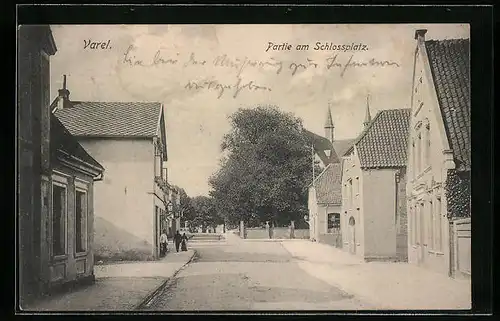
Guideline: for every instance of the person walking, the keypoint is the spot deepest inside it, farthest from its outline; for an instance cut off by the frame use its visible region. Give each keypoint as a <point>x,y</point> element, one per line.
<point>177,240</point>
<point>184,242</point>
<point>163,243</point>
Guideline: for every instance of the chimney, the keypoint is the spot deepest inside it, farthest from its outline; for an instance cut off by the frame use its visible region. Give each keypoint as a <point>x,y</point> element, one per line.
<point>63,96</point>
<point>420,34</point>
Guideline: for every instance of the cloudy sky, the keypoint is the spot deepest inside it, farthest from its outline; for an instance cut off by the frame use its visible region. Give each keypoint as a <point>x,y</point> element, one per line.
<point>171,63</point>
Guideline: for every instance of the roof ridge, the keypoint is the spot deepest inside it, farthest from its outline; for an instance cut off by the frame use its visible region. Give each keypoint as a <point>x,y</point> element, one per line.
<point>116,102</point>
<point>450,39</point>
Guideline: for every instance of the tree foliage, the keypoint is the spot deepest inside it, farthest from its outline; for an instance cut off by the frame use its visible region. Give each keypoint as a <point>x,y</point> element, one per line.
<point>205,213</point>
<point>266,170</point>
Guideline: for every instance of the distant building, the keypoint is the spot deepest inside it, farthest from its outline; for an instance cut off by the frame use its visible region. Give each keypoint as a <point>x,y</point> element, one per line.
<point>373,217</point>
<point>325,199</point>
<point>129,139</point>
<point>55,181</point>
<point>324,203</point>
<point>439,157</point>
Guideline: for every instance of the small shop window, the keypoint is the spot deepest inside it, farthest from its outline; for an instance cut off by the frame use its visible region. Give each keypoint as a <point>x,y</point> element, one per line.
<point>81,214</point>
<point>333,221</point>
<point>59,217</point>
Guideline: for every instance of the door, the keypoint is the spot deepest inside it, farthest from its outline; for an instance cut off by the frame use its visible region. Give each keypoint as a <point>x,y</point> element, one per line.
<point>420,227</point>
<point>352,235</point>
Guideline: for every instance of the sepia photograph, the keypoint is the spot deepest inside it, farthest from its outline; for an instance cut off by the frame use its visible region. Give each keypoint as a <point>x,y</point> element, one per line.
<point>243,167</point>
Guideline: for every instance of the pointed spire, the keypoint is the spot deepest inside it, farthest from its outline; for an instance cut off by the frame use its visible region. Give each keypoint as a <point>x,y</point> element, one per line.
<point>329,120</point>
<point>368,117</point>
<point>329,127</point>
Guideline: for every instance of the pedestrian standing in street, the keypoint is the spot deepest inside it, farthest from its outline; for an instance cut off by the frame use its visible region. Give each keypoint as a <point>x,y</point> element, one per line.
<point>163,243</point>
<point>184,242</point>
<point>177,240</point>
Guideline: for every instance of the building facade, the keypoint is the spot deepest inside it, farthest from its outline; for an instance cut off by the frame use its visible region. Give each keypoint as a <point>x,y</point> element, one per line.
<point>373,212</point>
<point>324,198</point>
<point>325,201</point>
<point>129,139</point>
<point>55,181</point>
<point>438,186</point>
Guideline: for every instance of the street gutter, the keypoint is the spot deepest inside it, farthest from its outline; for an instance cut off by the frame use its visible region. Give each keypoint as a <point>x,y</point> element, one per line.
<point>153,294</point>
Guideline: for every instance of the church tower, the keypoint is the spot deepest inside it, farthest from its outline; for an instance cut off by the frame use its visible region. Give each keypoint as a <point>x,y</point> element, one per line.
<point>329,128</point>
<point>368,117</point>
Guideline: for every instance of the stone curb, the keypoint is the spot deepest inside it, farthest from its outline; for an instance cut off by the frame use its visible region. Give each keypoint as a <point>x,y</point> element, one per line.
<point>162,286</point>
<point>274,240</point>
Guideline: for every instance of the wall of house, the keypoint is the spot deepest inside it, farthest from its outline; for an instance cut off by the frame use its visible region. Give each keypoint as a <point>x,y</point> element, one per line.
<point>324,236</point>
<point>379,209</point>
<point>352,206</point>
<point>72,265</point>
<point>29,155</point>
<point>125,196</point>
<point>313,210</point>
<point>428,228</point>
<point>401,218</point>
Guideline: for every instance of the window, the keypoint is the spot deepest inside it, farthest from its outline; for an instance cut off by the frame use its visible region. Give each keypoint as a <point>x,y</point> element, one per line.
<point>357,186</point>
<point>417,224</point>
<point>81,221</point>
<point>350,193</point>
<point>412,225</point>
<point>333,221</point>
<point>431,224</point>
<point>59,213</point>
<point>419,151</point>
<point>157,160</point>
<point>413,162</point>
<point>427,145</point>
<point>438,226</point>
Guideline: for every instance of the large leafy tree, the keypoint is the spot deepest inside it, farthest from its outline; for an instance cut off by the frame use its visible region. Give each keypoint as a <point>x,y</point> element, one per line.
<point>205,213</point>
<point>266,169</point>
<point>186,206</point>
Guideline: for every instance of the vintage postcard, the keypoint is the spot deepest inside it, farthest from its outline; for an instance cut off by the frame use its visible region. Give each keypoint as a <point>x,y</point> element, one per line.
<point>318,167</point>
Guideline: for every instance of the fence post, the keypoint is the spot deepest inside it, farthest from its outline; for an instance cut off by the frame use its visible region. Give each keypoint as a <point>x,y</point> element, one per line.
<point>292,229</point>
<point>242,229</point>
<point>268,230</point>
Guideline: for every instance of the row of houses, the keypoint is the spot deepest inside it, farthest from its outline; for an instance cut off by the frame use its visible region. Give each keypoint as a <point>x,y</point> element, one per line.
<point>82,165</point>
<point>401,190</point>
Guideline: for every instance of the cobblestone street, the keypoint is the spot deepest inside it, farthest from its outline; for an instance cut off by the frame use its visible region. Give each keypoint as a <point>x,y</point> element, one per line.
<point>248,276</point>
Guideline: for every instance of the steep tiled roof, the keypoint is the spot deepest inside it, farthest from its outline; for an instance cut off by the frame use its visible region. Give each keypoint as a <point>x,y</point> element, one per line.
<point>110,119</point>
<point>62,140</point>
<point>341,146</point>
<point>329,186</point>
<point>384,142</point>
<point>321,144</point>
<point>449,63</point>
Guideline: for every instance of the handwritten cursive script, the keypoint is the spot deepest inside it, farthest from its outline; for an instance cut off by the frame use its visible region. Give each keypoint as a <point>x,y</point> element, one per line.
<point>371,63</point>
<point>239,64</point>
<point>221,88</point>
